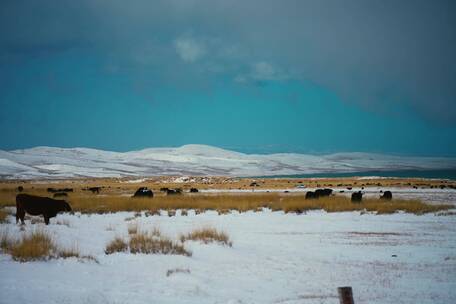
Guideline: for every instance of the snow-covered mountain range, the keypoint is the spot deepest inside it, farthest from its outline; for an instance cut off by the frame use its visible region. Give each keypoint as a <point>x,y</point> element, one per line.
<point>49,162</point>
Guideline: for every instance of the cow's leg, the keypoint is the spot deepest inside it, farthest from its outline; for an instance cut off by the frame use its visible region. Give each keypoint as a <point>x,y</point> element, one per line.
<point>20,215</point>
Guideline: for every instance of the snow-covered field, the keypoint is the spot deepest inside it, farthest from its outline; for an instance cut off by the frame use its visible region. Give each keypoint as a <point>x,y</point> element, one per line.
<point>275,258</point>
<point>50,162</point>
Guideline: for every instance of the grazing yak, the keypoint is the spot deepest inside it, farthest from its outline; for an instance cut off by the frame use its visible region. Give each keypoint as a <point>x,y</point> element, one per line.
<point>311,195</point>
<point>20,189</point>
<point>193,190</point>
<point>60,194</point>
<point>37,205</point>
<point>164,189</point>
<point>173,191</point>
<point>387,195</point>
<point>95,189</point>
<point>357,197</point>
<point>53,190</point>
<point>318,193</point>
<point>143,192</point>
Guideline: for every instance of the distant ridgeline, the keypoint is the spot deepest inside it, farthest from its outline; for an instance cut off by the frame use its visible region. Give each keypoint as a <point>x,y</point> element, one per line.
<point>444,174</point>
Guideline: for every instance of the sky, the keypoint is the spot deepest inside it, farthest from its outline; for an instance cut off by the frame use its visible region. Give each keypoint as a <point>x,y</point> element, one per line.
<point>253,76</point>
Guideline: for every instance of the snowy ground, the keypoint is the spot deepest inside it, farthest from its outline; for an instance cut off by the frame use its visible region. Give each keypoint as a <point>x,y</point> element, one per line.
<point>275,258</point>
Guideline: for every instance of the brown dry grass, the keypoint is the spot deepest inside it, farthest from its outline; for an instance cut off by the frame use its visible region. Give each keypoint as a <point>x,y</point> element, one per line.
<point>118,244</point>
<point>38,245</point>
<point>342,204</point>
<point>115,197</point>
<point>244,202</point>
<point>207,235</point>
<point>149,244</point>
<point>152,242</point>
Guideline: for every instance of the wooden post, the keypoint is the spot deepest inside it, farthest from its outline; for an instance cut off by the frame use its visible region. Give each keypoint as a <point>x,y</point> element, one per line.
<point>345,295</point>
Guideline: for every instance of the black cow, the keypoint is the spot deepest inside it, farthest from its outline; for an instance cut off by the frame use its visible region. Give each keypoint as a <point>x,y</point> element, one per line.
<point>311,195</point>
<point>323,192</point>
<point>387,195</point>
<point>164,189</point>
<point>357,197</point>
<point>143,192</point>
<point>193,190</point>
<point>60,194</point>
<point>54,190</point>
<point>37,205</point>
<point>20,189</point>
<point>173,191</point>
<point>95,189</point>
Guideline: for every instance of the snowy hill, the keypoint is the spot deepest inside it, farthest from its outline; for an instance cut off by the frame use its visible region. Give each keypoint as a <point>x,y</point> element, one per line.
<point>49,162</point>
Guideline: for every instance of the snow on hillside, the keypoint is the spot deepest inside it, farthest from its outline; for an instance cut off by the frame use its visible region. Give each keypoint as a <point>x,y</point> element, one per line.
<point>49,162</point>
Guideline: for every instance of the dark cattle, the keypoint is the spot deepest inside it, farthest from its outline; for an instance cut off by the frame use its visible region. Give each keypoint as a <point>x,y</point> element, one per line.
<point>54,190</point>
<point>20,189</point>
<point>193,190</point>
<point>95,189</point>
<point>349,188</point>
<point>311,195</point>
<point>323,192</point>
<point>143,192</point>
<point>164,189</point>
<point>357,197</point>
<point>387,195</point>
<point>37,205</point>
<point>254,184</point>
<point>173,191</point>
<point>60,194</point>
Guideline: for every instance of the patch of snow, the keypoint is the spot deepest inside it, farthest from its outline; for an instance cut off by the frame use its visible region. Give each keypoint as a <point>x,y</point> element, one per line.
<point>275,258</point>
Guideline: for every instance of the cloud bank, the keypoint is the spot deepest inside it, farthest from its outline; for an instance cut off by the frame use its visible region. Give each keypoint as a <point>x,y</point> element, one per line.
<point>379,54</point>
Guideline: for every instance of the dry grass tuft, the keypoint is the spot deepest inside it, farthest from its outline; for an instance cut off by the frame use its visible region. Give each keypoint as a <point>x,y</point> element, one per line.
<point>149,244</point>
<point>36,246</point>
<point>118,244</point>
<point>207,235</point>
<point>152,242</point>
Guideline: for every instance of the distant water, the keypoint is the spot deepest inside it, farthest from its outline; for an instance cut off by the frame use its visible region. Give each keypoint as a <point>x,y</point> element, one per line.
<point>443,174</point>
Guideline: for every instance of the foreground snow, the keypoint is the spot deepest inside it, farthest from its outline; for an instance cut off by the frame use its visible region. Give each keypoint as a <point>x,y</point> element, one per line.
<point>48,162</point>
<point>275,258</point>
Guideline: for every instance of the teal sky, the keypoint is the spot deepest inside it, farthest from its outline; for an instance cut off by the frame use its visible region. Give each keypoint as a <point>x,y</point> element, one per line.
<point>196,82</point>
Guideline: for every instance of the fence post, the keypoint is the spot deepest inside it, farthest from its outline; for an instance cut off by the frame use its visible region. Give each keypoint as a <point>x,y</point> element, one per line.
<point>345,295</point>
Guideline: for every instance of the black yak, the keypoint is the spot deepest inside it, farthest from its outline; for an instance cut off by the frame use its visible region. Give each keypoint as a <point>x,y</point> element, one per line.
<point>387,195</point>
<point>193,190</point>
<point>37,205</point>
<point>323,192</point>
<point>143,192</point>
<point>357,197</point>
<point>311,195</point>
<point>173,191</point>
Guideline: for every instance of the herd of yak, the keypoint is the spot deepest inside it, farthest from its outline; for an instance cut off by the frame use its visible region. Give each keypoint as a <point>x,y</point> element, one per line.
<point>49,207</point>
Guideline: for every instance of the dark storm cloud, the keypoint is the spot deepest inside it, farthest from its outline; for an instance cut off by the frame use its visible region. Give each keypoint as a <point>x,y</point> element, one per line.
<point>380,54</point>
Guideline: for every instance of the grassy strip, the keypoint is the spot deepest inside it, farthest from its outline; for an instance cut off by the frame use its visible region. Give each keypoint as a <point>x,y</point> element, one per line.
<point>223,202</point>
